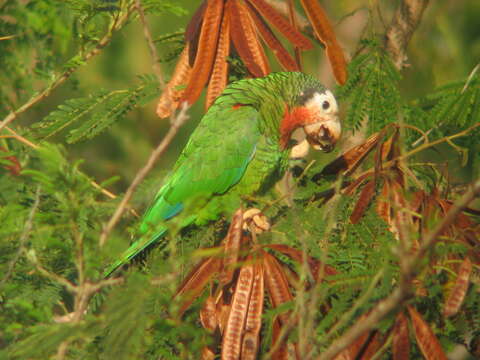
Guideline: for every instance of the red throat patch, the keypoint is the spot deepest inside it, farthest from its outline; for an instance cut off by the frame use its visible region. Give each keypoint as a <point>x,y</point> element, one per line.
<point>299,116</point>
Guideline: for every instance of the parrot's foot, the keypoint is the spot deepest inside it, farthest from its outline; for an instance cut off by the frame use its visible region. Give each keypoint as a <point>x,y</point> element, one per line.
<point>255,221</point>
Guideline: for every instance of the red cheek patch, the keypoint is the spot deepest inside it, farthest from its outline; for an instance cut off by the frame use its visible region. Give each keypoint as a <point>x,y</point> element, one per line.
<point>292,120</point>
<point>237,106</point>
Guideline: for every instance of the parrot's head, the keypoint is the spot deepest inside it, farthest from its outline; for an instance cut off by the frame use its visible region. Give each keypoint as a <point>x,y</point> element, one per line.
<point>314,110</point>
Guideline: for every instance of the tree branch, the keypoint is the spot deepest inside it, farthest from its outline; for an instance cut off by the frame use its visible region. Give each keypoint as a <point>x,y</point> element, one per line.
<point>151,45</point>
<point>404,23</point>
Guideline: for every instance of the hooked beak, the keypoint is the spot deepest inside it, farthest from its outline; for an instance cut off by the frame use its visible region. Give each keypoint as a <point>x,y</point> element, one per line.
<point>323,134</point>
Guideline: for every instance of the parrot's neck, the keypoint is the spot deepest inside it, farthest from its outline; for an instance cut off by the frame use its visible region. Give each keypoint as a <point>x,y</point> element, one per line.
<point>292,119</point>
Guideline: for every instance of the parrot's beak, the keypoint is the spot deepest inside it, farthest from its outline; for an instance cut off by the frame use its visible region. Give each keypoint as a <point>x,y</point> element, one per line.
<point>324,134</point>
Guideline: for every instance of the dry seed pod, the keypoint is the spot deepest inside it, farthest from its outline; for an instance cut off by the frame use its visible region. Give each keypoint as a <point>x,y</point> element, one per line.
<point>207,47</point>
<point>282,55</point>
<point>277,283</point>
<point>366,196</point>
<point>401,339</point>
<point>232,247</point>
<point>351,159</point>
<point>208,315</point>
<point>245,40</point>
<point>324,32</point>
<point>170,98</point>
<point>426,339</point>
<point>457,295</point>
<point>282,349</point>
<point>251,340</point>
<point>219,78</point>
<point>232,338</point>
<point>196,280</point>
<point>282,25</point>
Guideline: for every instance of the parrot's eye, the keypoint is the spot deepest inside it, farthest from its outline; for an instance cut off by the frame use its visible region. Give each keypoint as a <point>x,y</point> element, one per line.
<point>325,105</point>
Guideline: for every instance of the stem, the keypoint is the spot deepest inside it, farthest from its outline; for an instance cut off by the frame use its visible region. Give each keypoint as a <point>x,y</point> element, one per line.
<point>151,45</point>
<point>177,122</point>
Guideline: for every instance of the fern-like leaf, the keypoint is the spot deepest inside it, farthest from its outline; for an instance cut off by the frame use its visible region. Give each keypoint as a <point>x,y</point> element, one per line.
<point>372,89</point>
<point>96,112</point>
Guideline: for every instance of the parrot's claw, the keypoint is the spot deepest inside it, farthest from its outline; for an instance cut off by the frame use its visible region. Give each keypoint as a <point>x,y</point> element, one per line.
<point>255,221</point>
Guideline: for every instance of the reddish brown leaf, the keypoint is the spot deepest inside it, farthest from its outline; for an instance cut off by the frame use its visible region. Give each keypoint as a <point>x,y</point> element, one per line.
<point>324,32</point>
<point>192,32</point>
<point>457,295</point>
<point>194,283</point>
<point>171,95</point>
<point>15,168</point>
<point>350,160</point>
<point>418,199</point>
<point>462,220</point>
<point>219,77</point>
<point>223,312</point>
<point>364,347</point>
<point>337,62</point>
<point>401,339</point>
<point>251,340</point>
<point>208,315</point>
<point>298,256</point>
<point>282,24</point>
<point>386,148</point>
<point>370,346</point>
<point>363,202</point>
<point>207,47</point>
<point>426,339</point>
<point>232,247</point>
<point>282,55</point>
<point>292,17</point>
<point>232,338</point>
<point>282,351</point>
<point>208,354</point>
<point>383,203</point>
<point>344,355</point>
<point>357,182</point>
<point>277,283</point>
<point>246,41</point>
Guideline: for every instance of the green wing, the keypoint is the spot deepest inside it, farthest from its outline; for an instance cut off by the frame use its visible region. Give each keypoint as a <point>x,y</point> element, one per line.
<point>214,159</point>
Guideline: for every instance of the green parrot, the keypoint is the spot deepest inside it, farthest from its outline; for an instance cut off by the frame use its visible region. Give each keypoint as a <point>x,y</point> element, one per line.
<point>240,147</point>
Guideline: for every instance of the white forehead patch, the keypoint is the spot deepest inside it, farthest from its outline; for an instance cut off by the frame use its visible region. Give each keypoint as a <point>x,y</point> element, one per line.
<point>323,102</point>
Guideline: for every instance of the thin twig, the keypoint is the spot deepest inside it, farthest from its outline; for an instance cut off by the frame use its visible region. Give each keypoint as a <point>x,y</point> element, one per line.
<point>441,123</point>
<point>151,44</point>
<point>60,79</point>
<point>20,138</point>
<point>423,147</point>
<point>177,122</point>
<point>347,316</point>
<point>32,145</point>
<point>48,274</point>
<point>23,238</point>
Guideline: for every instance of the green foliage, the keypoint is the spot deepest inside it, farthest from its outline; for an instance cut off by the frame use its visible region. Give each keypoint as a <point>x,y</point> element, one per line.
<point>371,89</point>
<point>96,112</point>
<point>52,216</point>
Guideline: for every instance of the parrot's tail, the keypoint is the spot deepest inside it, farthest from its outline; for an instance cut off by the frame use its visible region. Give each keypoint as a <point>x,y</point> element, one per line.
<point>136,248</point>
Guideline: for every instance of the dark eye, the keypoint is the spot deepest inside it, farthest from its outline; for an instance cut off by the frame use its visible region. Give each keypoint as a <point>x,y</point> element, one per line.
<point>325,105</point>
